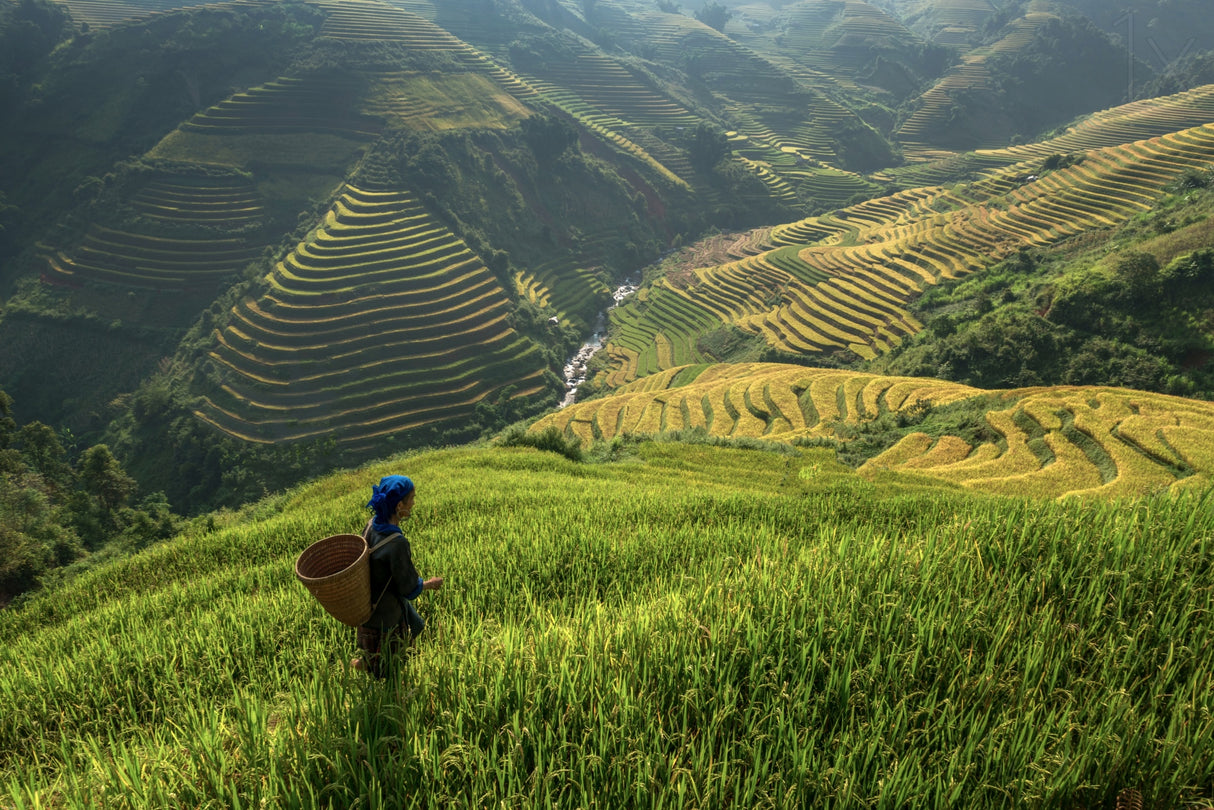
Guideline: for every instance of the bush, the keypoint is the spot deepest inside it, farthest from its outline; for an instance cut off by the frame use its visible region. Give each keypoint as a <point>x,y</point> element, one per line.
<point>550,440</point>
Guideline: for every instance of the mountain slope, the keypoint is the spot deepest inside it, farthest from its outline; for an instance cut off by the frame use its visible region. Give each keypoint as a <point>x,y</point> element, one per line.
<point>840,282</point>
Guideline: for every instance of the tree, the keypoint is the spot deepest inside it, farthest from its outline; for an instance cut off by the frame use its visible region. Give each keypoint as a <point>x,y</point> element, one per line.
<point>28,31</point>
<point>32,539</point>
<point>1138,274</point>
<point>8,426</point>
<point>548,136</point>
<point>44,452</point>
<point>708,146</point>
<point>22,558</point>
<point>103,478</point>
<point>714,15</point>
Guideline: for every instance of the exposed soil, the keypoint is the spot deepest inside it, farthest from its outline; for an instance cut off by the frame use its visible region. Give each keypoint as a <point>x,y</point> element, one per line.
<point>711,251</point>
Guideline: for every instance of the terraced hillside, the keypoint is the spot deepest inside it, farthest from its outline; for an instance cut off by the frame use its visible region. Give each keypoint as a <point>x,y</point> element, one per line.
<point>613,103</point>
<point>926,131</point>
<point>1046,442</point>
<point>207,204</point>
<point>100,14</point>
<point>746,400</point>
<point>230,202</point>
<point>317,103</point>
<point>455,88</point>
<point>380,322</point>
<point>439,102</point>
<point>1105,442</point>
<point>370,20</point>
<point>949,22</point>
<point>781,108</point>
<point>607,85</point>
<point>841,282</point>
<point>1139,120</point>
<point>215,224</point>
<point>160,263</point>
<point>839,37</point>
<point>796,165</point>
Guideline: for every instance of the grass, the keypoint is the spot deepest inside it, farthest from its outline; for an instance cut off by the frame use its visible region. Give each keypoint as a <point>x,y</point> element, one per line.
<point>685,626</point>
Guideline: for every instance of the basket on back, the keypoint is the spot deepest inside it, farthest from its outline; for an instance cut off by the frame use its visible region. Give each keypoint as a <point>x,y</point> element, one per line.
<point>337,572</point>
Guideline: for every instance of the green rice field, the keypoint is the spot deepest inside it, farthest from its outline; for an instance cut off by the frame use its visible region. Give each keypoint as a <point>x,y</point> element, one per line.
<point>667,625</point>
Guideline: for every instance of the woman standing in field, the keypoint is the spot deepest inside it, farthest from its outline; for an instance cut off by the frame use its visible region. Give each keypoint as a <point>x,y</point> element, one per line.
<point>395,582</point>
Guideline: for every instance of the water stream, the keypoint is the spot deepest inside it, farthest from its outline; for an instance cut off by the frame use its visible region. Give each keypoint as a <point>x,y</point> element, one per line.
<point>575,369</point>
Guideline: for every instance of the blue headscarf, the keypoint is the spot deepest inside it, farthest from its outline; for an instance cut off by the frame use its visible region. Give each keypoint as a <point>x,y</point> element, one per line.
<point>390,491</point>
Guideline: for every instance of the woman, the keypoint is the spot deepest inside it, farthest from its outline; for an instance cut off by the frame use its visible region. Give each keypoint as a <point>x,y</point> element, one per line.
<point>395,583</point>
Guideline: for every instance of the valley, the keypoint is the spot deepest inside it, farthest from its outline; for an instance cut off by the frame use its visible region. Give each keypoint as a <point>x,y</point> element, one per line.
<point>810,404</point>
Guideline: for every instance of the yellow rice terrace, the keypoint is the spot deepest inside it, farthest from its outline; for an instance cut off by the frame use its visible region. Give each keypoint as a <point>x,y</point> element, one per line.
<point>659,624</point>
<point>1045,442</point>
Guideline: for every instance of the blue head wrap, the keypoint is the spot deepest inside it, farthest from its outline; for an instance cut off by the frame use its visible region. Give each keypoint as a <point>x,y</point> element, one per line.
<point>390,491</point>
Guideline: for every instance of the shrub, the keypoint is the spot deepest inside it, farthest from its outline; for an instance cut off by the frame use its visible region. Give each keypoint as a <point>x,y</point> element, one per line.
<point>550,440</point>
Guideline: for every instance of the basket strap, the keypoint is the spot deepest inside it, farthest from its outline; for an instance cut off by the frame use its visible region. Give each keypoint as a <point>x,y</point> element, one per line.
<point>382,540</point>
<point>375,604</point>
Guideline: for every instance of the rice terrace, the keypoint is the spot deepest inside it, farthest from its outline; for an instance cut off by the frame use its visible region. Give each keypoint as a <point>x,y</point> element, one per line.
<point>787,404</point>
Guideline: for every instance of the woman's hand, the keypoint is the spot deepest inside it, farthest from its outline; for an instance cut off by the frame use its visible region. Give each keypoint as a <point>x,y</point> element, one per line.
<point>432,584</point>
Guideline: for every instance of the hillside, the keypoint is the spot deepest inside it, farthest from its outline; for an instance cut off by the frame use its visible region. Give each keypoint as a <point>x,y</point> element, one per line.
<point>699,625</point>
<point>325,231</point>
<point>1131,310</point>
<point>838,286</point>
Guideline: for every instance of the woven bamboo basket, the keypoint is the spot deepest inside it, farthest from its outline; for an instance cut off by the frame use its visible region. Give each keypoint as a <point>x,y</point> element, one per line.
<point>337,573</point>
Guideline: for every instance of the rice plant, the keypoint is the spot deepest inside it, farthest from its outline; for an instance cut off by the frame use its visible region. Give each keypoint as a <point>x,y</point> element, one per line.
<point>684,626</point>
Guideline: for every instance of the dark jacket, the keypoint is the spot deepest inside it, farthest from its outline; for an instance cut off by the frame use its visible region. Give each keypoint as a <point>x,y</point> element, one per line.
<point>392,574</point>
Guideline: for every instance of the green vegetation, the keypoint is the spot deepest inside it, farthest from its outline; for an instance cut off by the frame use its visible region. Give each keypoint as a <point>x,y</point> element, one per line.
<point>841,282</point>
<point>60,506</point>
<point>686,626</point>
<point>1029,92</point>
<point>1192,71</point>
<point>272,375</point>
<point>72,123</point>
<point>1010,91</point>
<point>1137,317</point>
<point>29,29</point>
<point>243,244</point>
<point>714,15</point>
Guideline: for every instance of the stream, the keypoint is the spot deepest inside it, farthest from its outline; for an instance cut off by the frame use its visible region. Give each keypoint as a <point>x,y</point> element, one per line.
<point>575,369</point>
